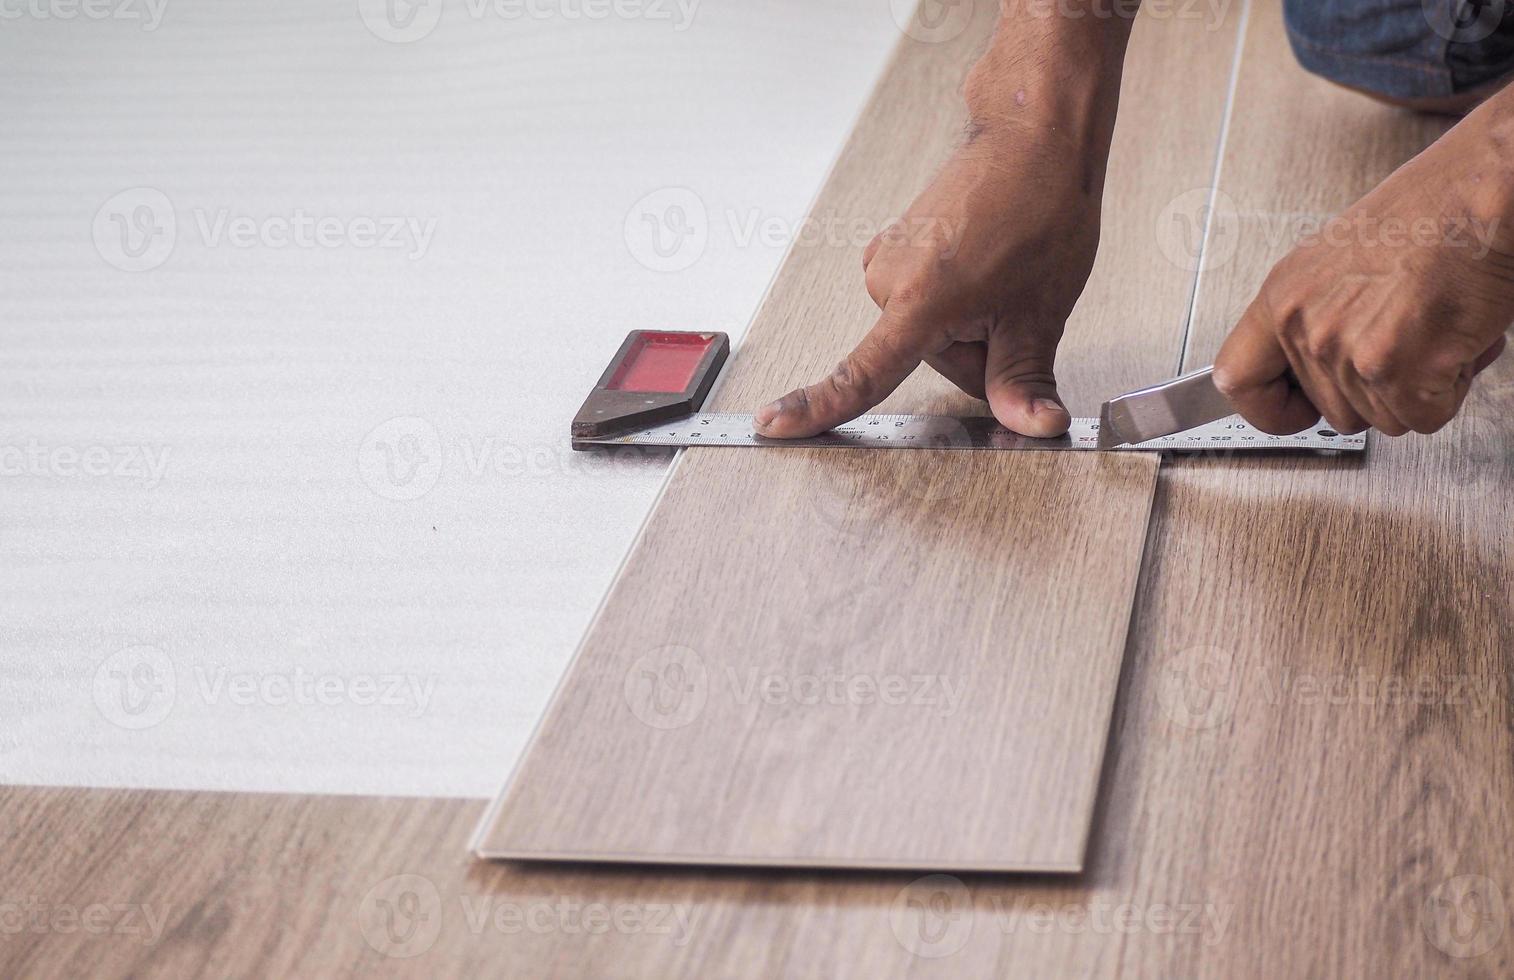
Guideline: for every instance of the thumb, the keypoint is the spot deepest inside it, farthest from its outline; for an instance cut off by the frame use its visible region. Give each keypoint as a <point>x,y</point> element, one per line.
<point>1021,388</point>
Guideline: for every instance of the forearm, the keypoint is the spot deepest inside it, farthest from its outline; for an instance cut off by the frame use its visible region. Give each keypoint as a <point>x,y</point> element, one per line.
<point>1052,74</point>
<point>1482,147</point>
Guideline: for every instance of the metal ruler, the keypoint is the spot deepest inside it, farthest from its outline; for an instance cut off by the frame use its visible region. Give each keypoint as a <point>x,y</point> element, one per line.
<point>943,432</point>
<point>651,392</point>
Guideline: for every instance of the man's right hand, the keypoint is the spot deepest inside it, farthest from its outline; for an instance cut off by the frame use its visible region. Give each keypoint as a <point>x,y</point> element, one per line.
<point>979,276</point>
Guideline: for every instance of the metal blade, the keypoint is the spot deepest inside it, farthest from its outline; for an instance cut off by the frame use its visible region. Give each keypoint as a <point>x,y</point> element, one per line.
<point>1161,410</point>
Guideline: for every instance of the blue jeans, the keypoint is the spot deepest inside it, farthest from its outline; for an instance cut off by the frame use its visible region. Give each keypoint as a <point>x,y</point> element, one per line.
<point>1404,49</point>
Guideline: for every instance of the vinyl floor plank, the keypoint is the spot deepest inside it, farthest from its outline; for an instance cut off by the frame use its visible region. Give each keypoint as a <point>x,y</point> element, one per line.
<point>822,658</point>
<point>1332,642</point>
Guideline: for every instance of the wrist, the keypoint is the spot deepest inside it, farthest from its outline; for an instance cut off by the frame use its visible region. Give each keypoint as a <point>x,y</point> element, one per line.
<point>1050,74</point>
<point>1483,143</point>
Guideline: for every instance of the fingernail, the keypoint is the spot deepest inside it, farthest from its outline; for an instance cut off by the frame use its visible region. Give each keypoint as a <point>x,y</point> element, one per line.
<point>767,413</point>
<point>1043,405</point>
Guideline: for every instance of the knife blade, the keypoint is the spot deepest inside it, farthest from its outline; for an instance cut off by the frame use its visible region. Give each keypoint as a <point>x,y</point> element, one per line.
<point>1162,409</point>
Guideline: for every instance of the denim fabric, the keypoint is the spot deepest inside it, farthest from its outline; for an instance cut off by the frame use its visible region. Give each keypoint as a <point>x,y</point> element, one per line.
<point>1404,48</point>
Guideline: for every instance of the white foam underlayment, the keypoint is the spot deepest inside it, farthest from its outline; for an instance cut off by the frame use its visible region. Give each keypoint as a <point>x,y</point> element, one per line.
<point>294,510</point>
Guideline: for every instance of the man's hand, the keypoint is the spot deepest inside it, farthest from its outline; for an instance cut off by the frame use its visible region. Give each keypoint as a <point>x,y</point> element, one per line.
<point>979,276</point>
<point>1384,318</point>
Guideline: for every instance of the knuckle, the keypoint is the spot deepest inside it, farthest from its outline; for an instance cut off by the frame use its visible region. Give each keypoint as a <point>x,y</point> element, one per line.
<point>1319,345</point>
<point>1279,301</point>
<point>875,278</point>
<point>917,285</point>
<point>1376,368</point>
<point>796,403</point>
<point>851,380</point>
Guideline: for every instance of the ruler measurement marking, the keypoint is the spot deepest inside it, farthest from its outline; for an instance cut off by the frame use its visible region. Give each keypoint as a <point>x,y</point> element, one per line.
<point>980,433</point>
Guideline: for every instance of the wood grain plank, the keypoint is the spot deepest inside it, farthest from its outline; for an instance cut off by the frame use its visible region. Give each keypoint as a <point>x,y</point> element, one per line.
<point>1334,643</point>
<point>883,660</point>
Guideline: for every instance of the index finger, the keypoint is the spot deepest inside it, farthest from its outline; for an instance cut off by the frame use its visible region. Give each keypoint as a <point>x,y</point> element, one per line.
<point>869,374</point>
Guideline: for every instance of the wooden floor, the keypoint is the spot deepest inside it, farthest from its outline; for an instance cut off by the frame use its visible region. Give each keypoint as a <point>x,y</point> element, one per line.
<point>1311,770</point>
<point>991,591</point>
